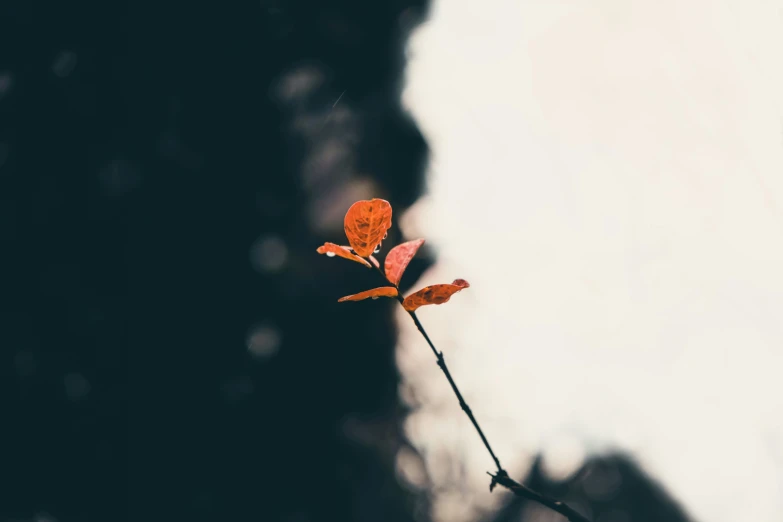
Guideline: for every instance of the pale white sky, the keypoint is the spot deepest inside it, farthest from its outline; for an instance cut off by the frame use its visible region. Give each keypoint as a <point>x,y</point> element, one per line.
<point>608,175</point>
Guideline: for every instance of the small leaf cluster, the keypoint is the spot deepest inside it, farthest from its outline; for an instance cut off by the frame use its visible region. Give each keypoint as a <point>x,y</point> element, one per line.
<point>366,226</point>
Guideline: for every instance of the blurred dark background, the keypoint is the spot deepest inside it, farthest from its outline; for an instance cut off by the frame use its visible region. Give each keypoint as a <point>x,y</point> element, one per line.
<point>171,344</point>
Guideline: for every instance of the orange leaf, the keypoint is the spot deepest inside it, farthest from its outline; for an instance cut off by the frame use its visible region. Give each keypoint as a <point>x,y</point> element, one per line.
<point>366,223</point>
<point>398,258</point>
<point>375,293</point>
<point>435,294</point>
<point>331,250</point>
<point>374,262</point>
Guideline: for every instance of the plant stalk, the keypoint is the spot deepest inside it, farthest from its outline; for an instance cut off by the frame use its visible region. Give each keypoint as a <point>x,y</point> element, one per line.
<point>501,477</point>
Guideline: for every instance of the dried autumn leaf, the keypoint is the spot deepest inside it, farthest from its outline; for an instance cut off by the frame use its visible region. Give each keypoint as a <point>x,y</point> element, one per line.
<point>398,258</point>
<point>331,250</point>
<point>375,293</point>
<point>366,223</point>
<point>435,294</point>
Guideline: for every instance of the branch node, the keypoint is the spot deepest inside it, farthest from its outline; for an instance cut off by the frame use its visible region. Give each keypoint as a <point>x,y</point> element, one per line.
<point>496,478</point>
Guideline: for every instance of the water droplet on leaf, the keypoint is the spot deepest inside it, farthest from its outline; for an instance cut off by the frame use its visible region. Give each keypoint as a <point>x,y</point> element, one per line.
<point>377,249</point>
<point>330,254</point>
<point>374,297</point>
<point>385,235</point>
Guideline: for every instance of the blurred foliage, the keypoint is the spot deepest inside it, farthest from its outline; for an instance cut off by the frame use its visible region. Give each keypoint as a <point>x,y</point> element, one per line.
<point>161,192</point>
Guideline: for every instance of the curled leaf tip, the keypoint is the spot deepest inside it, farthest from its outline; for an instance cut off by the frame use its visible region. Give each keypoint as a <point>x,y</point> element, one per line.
<point>331,250</point>
<point>435,294</point>
<point>375,293</point>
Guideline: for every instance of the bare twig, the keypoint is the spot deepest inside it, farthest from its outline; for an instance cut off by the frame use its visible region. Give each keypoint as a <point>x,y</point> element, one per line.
<point>501,477</point>
<point>519,490</point>
<point>462,403</point>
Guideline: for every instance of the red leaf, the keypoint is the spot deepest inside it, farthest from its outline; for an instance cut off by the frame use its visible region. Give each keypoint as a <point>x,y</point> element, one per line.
<point>375,293</point>
<point>366,223</point>
<point>435,294</point>
<point>398,258</point>
<point>331,250</point>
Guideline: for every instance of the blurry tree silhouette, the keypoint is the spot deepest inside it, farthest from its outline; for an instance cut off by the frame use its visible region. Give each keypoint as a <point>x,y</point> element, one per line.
<point>165,319</point>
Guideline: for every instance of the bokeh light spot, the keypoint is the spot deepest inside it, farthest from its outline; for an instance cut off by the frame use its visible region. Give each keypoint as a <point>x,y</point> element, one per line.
<point>263,341</point>
<point>268,254</point>
<point>76,386</point>
<point>64,64</point>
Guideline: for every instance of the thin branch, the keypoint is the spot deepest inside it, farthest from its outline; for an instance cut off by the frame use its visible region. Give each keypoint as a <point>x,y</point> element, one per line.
<point>501,477</point>
<point>519,490</point>
<point>462,403</point>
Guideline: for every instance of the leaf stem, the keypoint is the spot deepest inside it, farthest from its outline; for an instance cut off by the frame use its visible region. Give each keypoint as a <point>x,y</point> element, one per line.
<point>501,477</point>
